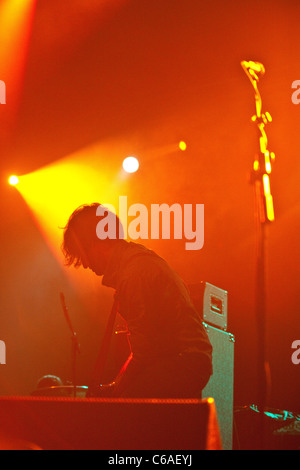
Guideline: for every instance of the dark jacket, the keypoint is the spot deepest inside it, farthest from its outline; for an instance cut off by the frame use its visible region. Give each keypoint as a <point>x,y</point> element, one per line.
<point>156,305</point>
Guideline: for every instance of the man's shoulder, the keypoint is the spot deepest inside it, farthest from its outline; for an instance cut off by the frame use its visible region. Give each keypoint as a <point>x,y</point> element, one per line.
<point>140,259</point>
<point>136,250</point>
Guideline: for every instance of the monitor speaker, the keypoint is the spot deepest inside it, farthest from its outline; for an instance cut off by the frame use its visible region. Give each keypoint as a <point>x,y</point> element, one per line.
<point>108,424</point>
<point>220,386</point>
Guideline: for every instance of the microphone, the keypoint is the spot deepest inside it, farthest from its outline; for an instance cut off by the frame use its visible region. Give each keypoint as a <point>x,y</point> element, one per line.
<point>253,68</point>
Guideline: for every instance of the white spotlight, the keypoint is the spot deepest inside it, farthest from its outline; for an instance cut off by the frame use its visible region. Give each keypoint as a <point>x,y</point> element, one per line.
<point>131,164</point>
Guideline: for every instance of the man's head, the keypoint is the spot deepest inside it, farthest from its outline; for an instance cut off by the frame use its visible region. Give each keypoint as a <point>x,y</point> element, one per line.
<point>81,244</point>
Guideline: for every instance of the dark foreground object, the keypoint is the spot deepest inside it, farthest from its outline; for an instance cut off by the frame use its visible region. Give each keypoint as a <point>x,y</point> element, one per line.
<point>110,424</point>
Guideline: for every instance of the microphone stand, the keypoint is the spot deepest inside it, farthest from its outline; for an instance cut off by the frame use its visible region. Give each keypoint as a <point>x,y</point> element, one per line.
<point>260,178</point>
<point>75,344</point>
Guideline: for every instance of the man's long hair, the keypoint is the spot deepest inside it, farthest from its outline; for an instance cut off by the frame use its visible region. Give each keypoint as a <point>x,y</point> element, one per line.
<point>80,232</point>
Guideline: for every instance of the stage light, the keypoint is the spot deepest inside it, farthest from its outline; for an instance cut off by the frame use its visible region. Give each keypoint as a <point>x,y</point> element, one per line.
<point>56,190</point>
<point>182,145</point>
<point>268,162</point>
<point>256,165</point>
<point>53,192</point>
<point>13,180</point>
<point>131,164</point>
<point>16,20</point>
<point>268,198</point>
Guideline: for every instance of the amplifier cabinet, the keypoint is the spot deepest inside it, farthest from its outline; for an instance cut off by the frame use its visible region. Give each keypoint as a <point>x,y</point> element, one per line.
<point>215,306</point>
<point>220,386</point>
<point>211,302</point>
